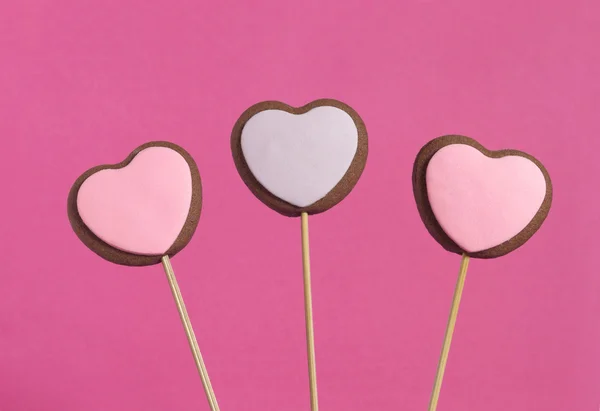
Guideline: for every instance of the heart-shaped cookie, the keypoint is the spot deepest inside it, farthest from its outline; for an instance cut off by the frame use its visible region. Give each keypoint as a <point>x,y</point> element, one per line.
<point>480,202</point>
<point>303,159</point>
<point>137,211</point>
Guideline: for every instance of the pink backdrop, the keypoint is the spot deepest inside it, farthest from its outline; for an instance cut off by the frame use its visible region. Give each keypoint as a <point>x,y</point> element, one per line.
<point>83,84</point>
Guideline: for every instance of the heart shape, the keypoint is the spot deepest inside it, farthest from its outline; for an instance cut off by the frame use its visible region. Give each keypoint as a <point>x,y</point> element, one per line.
<point>481,202</point>
<point>142,207</point>
<point>300,158</point>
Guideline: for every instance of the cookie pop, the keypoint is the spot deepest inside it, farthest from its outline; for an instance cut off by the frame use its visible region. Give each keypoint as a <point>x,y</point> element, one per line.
<point>301,161</point>
<point>141,212</point>
<point>479,204</point>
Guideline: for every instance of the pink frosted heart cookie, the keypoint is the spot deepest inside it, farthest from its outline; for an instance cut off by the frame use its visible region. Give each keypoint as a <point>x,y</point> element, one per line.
<point>304,159</point>
<point>479,202</point>
<point>137,211</point>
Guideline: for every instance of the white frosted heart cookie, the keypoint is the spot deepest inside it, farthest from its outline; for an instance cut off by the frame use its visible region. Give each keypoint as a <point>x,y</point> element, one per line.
<point>304,159</point>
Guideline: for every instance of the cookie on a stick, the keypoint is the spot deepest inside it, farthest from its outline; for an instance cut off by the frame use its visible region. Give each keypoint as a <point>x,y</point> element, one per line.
<point>301,161</point>
<point>479,204</point>
<point>141,212</point>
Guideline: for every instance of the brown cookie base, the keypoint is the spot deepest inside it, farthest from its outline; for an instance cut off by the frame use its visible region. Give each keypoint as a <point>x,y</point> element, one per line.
<point>337,194</point>
<point>115,255</point>
<point>426,213</point>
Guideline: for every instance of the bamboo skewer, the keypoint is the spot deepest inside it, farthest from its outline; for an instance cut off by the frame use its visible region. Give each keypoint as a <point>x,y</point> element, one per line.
<point>310,334</point>
<point>189,331</point>
<point>437,386</point>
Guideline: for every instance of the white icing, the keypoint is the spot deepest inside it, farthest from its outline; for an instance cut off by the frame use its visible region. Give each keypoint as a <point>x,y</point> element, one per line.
<point>300,158</point>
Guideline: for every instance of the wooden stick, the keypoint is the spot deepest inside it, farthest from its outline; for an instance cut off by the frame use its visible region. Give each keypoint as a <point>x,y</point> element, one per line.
<point>310,333</point>
<point>189,331</point>
<point>437,386</point>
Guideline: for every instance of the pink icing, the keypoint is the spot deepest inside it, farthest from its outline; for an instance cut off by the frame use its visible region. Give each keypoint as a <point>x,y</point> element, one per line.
<point>481,202</point>
<point>142,207</point>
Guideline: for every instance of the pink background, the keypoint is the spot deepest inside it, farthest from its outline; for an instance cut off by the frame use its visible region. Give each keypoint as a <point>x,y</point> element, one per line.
<point>83,83</point>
